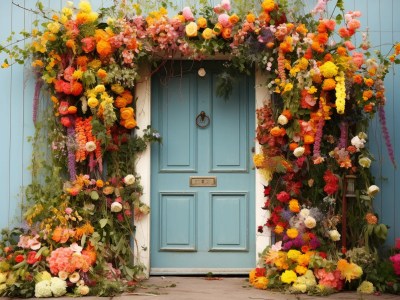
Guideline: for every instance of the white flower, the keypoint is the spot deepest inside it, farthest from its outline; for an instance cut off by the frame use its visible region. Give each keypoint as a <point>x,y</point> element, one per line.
<point>364,162</point>
<point>334,235</point>
<point>63,275</point>
<point>277,246</point>
<point>129,179</point>
<point>58,286</point>
<point>116,207</point>
<point>299,151</point>
<point>42,289</point>
<point>310,222</point>
<point>90,146</point>
<point>357,142</point>
<point>76,248</point>
<point>3,277</point>
<point>373,190</point>
<point>82,290</point>
<point>74,277</point>
<point>304,213</point>
<point>282,120</point>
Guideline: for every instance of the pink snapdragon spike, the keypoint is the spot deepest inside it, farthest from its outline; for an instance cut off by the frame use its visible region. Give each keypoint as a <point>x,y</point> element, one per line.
<point>187,13</point>
<point>320,7</point>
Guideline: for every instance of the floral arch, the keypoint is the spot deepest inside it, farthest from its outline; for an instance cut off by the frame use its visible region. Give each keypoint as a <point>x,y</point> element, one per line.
<point>312,138</point>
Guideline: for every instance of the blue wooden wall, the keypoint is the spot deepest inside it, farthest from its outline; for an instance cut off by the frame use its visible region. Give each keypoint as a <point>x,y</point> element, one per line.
<point>16,86</point>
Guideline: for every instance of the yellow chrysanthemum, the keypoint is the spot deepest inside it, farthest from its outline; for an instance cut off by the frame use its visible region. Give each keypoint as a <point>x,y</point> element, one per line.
<point>258,160</point>
<point>293,254</point>
<point>288,276</point>
<point>329,69</point>
<point>260,282</point>
<point>300,269</point>
<point>85,6</point>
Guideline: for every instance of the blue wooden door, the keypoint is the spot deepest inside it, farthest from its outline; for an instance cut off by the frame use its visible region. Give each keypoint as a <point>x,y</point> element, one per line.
<point>208,228</point>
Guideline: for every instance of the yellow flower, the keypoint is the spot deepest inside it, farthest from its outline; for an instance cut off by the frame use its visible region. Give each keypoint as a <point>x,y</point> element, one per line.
<point>202,22</point>
<point>99,88</point>
<point>85,6</point>
<point>292,233</point>
<point>117,88</point>
<point>5,65</point>
<point>329,69</point>
<point>293,254</point>
<point>37,63</point>
<point>66,11</point>
<point>366,287</point>
<point>95,64</point>
<point>191,29</point>
<point>312,90</point>
<point>294,206</point>
<point>300,269</point>
<point>208,34</point>
<point>54,27</point>
<point>364,162</point>
<point>252,276</point>
<point>260,282</point>
<point>349,271</point>
<point>93,102</point>
<point>258,160</point>
<point>288,87</point>
<point>278,229</point>
<point>303,63</point>
<point>268,5</point>
<point>77,74</point>
<point>288,276</point>
<point>340,93</point>
<point>303,260</point>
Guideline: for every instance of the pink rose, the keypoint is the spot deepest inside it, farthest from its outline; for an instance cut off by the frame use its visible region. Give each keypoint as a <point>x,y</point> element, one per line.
<point>358,59</point>
<point>349,45</point>
<point>218,9</point>
<point>68,210</point>
<point>226,4</point>
<point>88,44</point>
<point>283,197</point>
<point>187,13</point>
<point>68,73</point>
<point>223,19</point>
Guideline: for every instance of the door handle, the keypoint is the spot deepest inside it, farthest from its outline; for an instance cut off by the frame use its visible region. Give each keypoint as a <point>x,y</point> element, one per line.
<point>202,120</point>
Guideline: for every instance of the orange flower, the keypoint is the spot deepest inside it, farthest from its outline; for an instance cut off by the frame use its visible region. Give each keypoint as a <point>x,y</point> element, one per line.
<point>71,44</point>
<point>234,19</point>
<point>102,74</point>
<point>126,113</point>
<point>264,16</point>
<point>129,123</point>
<point>322,38</point>
<point>268,5</point>
<point>277,131</point>
<point>99,183</point>
<point>226,33</point>
<point>342,51</point>
<point>357,79</point>
<point>251,18</point>
<point>202,22</point>
<point>103,47</point>
<point>369,81</point>
<point>317,47</point>
<point>61,235</point>
<point>120,102</point>
<point>278,229</point>
<point>128,96</point>
<point>329,84</point>
<point>367,94</point>
<point>82,61</point>
<point>293,146</point>
<point>287,114</point>
<point>72,109</point>
<point>294,206</point>
<point>371,219</point>
<point>301,29</point>
<point>368,108</point>
<point>308,139</point>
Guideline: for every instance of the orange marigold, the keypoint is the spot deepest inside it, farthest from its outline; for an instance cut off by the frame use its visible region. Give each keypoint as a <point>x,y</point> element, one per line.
<point>103,47</point>
<point>371,219</point>
<point>329,84</point>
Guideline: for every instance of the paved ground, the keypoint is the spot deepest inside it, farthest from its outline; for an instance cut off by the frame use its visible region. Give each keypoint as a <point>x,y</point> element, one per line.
<point>199,288</point>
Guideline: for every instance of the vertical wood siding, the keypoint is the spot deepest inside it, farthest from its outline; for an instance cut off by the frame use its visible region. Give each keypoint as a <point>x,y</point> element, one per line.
<point>16,86</point>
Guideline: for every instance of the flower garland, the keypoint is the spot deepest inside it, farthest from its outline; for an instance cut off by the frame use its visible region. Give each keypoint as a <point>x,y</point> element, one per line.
<point>90,67</point>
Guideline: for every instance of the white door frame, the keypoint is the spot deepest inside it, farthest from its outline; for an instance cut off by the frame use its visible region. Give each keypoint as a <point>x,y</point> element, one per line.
<point>143,168</point>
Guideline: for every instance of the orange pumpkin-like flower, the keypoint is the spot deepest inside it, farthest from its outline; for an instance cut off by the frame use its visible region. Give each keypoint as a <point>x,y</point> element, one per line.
<point>120,102</point>
<point>277,131</point>
<point>129,123</point>
<point>126,113</point>
<point>103,47</point>
<point>329,84</point>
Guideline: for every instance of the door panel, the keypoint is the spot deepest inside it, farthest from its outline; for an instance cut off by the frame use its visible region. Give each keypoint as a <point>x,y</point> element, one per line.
<point>197,228</point>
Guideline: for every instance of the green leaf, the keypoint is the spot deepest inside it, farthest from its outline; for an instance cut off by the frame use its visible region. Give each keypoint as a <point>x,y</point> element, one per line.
<point>94,195</point>
<point>103,222</point>
<point>339,19</point>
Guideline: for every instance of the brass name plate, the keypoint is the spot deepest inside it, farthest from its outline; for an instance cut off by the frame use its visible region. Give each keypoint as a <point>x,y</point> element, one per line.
<point>203,181</point>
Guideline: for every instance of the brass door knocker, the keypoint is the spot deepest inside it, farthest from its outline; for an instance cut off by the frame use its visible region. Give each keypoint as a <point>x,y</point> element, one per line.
<point>202,120</point>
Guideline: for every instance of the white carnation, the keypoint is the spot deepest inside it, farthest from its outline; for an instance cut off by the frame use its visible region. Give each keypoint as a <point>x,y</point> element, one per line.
<point>129,179</point>
<point>58,286</point>
<point>282,120</point>
<point>304,213</point>
<point>334,235</point>
<point>373,190</point>
<point>42,289</point>
<point>116,207</point>
<point>90,146</point>
<point>310,222</point>
<point>299,151</point>
<point>357,142</point>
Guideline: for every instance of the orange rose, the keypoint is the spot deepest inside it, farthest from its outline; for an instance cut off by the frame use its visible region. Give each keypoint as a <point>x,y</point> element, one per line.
<point>202,22</point>
<point>251,18</point>
<point>128,96</point>
<point>277,131</point>
<point>234,19</point>
<point>368,108</point>
<point>126,113</point>
<point>226,33</point>
<point>103,48</point>
<point>102,73</point>
<point>120,102</point>
<point>99,183</point>
<point>129,123</point>
<point>308,139</point>
<point>293,146</point>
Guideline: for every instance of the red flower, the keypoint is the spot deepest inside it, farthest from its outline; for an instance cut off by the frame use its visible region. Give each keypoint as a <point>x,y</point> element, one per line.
<point>63,108</point>
<point>88,44</point>
<point>76,88</point>
<point>66,121</point>
<point>332,182</point>
<point>19,258</point>
<point>260,272</point>
<point>31,258</point>
<point>267,190</point>
<point>283,197</point>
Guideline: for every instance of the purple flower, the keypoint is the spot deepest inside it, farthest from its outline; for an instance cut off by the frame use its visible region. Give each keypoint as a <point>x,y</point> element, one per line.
<point>343,135</point>
<point>71,154</point>
<point>385,132</point>
<point>315,243</point>
<point>286,215</point>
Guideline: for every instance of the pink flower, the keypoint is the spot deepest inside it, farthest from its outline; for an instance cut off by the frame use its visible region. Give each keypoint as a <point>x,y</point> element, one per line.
<point>353,24</point>
<point>395,259</point>
<point>358,59</point>
<point>187,13</point>
<point>68,210</point>
<point>218,9</point>
<point>88,44</point>
<point>68,73</point>
<point>226,4</point>
<point>31,257</point>
<point>329,279</point>
<point>320,7</point>
<point>223,19</point>
<point>349,45</point>
<point>283,197</point>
